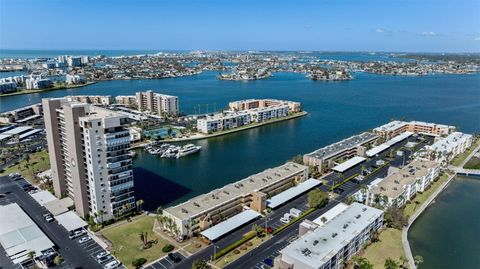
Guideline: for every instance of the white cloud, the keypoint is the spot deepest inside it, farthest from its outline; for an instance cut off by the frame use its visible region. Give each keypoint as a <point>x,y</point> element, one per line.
<point>429,34</point>
<point>477,38</point>
<point>379,30</point>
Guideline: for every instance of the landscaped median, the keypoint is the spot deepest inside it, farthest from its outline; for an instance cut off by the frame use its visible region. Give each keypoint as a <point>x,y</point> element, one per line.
<point>376,170</point>
<point>343,182</point>
<point>251,236</point>
<point>231,247</point>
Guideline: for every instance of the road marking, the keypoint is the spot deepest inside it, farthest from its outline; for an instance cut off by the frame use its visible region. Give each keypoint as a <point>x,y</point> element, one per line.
<point>160,263</point>
<point>168,260</point>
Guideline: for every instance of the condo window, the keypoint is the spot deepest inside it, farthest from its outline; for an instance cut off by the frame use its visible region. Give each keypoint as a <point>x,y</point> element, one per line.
<point>98,123</point>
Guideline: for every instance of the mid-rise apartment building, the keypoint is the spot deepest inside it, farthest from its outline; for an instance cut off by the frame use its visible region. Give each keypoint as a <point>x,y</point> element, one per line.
<point>103,100</point>
<point>445,149</point>
<point>157,103</point>
<point>262,103</point>
<point>89,156</point>
<point>402,185</point>
<point>324,158</point>
<point>329,245</point>
<point>245,112</point>
<point>206,210</point>
<point>395,128</point>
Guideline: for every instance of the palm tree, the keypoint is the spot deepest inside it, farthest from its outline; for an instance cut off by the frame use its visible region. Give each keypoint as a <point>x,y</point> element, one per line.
<point>403,260</point>
<point>139,205</point>
<point>142,237</point>
<point>390,264</point>
<point>188,226</point>
<point>418,260</point>
<point>31,255</point>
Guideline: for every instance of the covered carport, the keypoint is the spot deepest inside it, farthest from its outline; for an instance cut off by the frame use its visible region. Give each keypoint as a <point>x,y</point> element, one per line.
<point>71,221</point>
<point>348,164</point>
<point>215,232</point>
<point>291,193</point>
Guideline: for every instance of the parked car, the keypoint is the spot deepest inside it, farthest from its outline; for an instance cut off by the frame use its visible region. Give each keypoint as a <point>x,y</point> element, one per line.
<point>102,254</point>
<point>77,234</point>
<point>84,239</point>
<point>269,230</point>
<point>105,259</point>
<point>48,217</point>
<point>268,262</point>
<point>338,190</point>
<point>295,213</point>
<point>174,257</point>
<point>14,175</point>
<point>285,219</point>
<point>112,265</point>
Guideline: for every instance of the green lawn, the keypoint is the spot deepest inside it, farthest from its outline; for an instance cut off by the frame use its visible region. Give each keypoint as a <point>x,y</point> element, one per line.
<point>422,197</point>
<point>390,245</point>
<point>39,162</point>
<point>461,157</point>
<point>126,240</point>
<point>473,163</point>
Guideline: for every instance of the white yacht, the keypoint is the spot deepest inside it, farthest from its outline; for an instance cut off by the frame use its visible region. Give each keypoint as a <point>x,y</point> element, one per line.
<point>187,150</point>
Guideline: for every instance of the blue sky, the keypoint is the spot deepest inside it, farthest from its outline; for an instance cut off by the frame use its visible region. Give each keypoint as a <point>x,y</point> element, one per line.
<point>323,25</point>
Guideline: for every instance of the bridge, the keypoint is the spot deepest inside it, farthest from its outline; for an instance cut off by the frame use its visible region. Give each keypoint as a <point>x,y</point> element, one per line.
<point>466,172</point>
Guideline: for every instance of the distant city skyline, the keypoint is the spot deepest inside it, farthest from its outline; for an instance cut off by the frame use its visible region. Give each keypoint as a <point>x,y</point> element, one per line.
<point>400,26</point>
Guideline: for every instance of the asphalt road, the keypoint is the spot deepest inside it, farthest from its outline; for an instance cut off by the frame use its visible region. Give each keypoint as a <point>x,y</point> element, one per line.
<point>255,258</point>
<point>74,254</point>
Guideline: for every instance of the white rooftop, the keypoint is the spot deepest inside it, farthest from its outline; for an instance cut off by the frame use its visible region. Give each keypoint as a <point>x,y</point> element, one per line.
<point>258,182</point>
<point>43,197</point>
<point>71,221</point>
<point>450,142</point>
<point>348,164</point>
<point>347,143</point>
<point>374,151</point>
<point>291,193</point>
<point>330,214</point>
<point>317,247</point>
<point>391,126</point>
<point>230,224</point>
<point>19,234</point>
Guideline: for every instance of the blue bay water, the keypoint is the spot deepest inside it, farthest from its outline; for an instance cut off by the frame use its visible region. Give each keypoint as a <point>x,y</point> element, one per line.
<point>336,110</point>
<point>446,234</point>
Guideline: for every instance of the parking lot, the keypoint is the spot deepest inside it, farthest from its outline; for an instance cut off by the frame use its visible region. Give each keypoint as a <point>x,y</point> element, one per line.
<point>92,248</point>
<point>276,223</point>
<point>164,263</point>
<point>74,254</point>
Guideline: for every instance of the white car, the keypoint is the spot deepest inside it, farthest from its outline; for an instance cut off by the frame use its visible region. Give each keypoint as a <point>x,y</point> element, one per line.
<point>84,239</point>
<point>284,219</point>
<point>112,265</point>
<point>102,254</point>
<point>77,234</point>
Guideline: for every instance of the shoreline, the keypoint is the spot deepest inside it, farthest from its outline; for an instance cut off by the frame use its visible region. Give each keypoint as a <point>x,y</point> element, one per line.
<point>25,91</point>
<point>406,244</point>
<point>239,129</point>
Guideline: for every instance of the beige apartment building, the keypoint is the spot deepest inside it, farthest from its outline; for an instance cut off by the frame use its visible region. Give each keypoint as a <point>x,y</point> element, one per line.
<point>89,156</point>
<point>263,103</point>
<point>206,210</point>
<point>324,158</point>
<point>103,100</point>
<point>157,103</point>
<point>395,128</point>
